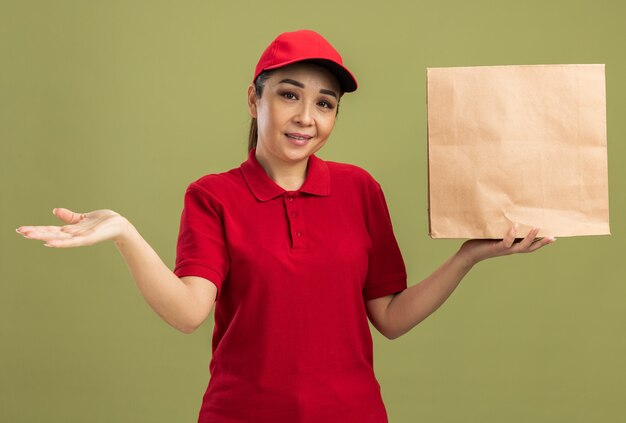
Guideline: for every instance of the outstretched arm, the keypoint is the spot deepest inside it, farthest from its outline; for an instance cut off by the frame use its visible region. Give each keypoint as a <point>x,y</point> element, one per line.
<point>395,315</point>
<point>184,303</point>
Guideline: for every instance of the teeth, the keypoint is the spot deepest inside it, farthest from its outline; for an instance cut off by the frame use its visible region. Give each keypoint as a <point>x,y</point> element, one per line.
<point>297,138</point>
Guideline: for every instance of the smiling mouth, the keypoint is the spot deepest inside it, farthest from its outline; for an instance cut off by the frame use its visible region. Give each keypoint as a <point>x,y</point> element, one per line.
<point>299,137</point>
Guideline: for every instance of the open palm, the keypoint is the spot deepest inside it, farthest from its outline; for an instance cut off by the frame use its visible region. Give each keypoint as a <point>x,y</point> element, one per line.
<point>82,229</point>
<point>481,249</point>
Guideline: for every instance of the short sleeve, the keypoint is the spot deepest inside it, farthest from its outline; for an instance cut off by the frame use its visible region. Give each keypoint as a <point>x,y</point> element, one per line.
<point>201,248</point>
<point>386,270</point>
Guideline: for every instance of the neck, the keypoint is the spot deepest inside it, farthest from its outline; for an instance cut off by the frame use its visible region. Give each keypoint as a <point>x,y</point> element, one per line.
<point>288,176</point>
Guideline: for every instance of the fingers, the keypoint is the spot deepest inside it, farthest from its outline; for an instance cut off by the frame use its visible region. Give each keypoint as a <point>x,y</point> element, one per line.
<point>54,236</point>
<point>63,214</point>
<point>58,233</point>
<point>528,239</point>
<point>68,215</point>
<point>525,245</point>
<point>27,229</point>
<point>540,243</point>
<point>43,233</point>
<point>532,243</point>
<point>509,239</point>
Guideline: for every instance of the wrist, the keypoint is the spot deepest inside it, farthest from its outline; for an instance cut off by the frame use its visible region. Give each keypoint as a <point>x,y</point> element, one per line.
<point>465,258</point>
<point>125,232</point>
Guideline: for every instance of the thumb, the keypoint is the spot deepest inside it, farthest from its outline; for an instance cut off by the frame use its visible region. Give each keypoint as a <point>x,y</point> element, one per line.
<point>68,216</point>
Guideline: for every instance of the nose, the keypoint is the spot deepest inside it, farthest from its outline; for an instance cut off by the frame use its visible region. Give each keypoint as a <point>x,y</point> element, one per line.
<point>304,115</point>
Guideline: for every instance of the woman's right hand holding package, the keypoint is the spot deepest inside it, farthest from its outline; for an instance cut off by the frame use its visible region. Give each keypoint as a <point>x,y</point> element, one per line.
<point>82,229</point>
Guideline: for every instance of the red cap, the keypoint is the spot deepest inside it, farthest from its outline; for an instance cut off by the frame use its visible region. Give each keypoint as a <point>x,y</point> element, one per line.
<point>305,45</point>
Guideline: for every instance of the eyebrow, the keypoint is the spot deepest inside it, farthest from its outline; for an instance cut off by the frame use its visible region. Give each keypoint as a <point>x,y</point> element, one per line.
<point>301,85</point>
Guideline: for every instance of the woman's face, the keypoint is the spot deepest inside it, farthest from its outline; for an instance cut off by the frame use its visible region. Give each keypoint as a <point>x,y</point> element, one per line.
<point>295,113</point>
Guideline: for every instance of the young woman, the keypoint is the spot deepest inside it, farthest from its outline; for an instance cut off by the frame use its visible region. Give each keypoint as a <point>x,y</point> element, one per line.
<point>295,252</point>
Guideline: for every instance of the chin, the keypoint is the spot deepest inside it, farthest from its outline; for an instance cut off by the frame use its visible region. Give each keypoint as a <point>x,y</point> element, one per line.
<point>295,156</point>
<point>300,153</point>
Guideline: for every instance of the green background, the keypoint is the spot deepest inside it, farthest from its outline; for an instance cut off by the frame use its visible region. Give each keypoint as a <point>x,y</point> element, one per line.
<point>121,104</point>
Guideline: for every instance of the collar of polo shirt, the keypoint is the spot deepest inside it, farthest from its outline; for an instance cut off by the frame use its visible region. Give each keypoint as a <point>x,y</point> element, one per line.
<point>317,180</point>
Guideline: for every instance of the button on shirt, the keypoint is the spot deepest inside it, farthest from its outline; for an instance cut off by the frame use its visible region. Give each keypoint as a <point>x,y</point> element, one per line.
<point>293,270</point>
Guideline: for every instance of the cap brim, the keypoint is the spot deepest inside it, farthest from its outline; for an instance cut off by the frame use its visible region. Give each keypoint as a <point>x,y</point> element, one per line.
<point>344,76</point>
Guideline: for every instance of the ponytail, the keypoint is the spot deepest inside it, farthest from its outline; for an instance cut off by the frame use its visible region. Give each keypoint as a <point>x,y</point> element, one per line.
<point>252,137</point>
<point>259,83</point>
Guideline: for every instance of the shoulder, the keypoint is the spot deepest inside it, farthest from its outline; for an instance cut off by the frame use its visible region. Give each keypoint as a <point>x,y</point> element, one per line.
<point>350,171</point>
<point>214,185</point>
<point>352,174</point>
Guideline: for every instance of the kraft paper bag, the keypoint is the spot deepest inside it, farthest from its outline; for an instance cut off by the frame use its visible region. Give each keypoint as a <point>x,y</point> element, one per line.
<point>517,144</point>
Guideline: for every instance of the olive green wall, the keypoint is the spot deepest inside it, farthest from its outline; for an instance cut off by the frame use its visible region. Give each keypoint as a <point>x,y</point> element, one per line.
<point>120,104</point>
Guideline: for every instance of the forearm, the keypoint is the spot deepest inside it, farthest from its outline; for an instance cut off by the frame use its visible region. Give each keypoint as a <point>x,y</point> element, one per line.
<point>168,296</point>
<point>417,302</point>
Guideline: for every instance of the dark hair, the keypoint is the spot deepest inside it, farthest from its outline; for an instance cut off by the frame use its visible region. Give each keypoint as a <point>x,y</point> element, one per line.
<point>258,88</point>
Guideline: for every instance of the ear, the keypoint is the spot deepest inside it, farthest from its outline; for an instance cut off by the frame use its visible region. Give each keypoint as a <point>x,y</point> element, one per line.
<point>252,100</point>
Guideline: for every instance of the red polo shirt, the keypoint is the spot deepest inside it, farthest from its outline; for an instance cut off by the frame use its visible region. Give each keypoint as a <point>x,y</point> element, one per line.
<point>293,270</point>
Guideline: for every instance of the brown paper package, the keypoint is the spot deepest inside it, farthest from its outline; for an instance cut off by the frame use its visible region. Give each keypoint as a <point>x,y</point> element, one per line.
<point>517,144</point>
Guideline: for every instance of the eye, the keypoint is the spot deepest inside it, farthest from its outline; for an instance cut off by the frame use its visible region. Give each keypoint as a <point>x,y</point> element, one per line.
<point>326,104</point>
<point>288,95</point>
